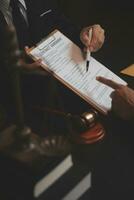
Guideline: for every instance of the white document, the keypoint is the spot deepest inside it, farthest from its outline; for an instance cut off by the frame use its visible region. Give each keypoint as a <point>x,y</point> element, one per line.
<point>65,60</point>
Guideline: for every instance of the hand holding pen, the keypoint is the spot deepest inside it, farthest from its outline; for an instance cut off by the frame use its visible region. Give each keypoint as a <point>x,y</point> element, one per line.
<point>92,41</point>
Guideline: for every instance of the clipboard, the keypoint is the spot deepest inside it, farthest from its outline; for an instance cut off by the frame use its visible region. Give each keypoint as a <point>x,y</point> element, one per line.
<point>53,41</point>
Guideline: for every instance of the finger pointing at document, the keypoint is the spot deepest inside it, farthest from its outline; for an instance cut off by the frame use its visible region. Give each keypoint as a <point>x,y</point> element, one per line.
<point>122,98</point>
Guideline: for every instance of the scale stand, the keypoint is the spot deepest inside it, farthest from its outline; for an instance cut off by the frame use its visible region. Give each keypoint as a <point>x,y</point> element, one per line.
<point>18,141</point>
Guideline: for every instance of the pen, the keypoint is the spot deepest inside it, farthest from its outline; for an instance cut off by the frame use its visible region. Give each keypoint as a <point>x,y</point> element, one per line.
<point>88,52</point>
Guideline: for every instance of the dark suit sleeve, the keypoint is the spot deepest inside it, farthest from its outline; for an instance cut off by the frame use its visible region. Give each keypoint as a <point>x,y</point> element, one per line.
<point>66,26</point>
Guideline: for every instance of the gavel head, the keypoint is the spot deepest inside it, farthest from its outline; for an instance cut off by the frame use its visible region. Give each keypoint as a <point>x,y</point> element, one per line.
<point>84,121</point>
<point>86,128</point>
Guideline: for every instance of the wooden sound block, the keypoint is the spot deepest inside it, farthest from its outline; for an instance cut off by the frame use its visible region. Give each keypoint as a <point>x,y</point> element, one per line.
<point>94,134</point>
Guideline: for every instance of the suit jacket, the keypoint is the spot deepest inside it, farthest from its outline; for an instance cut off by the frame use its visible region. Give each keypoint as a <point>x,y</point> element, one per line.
<point>43,17</point>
